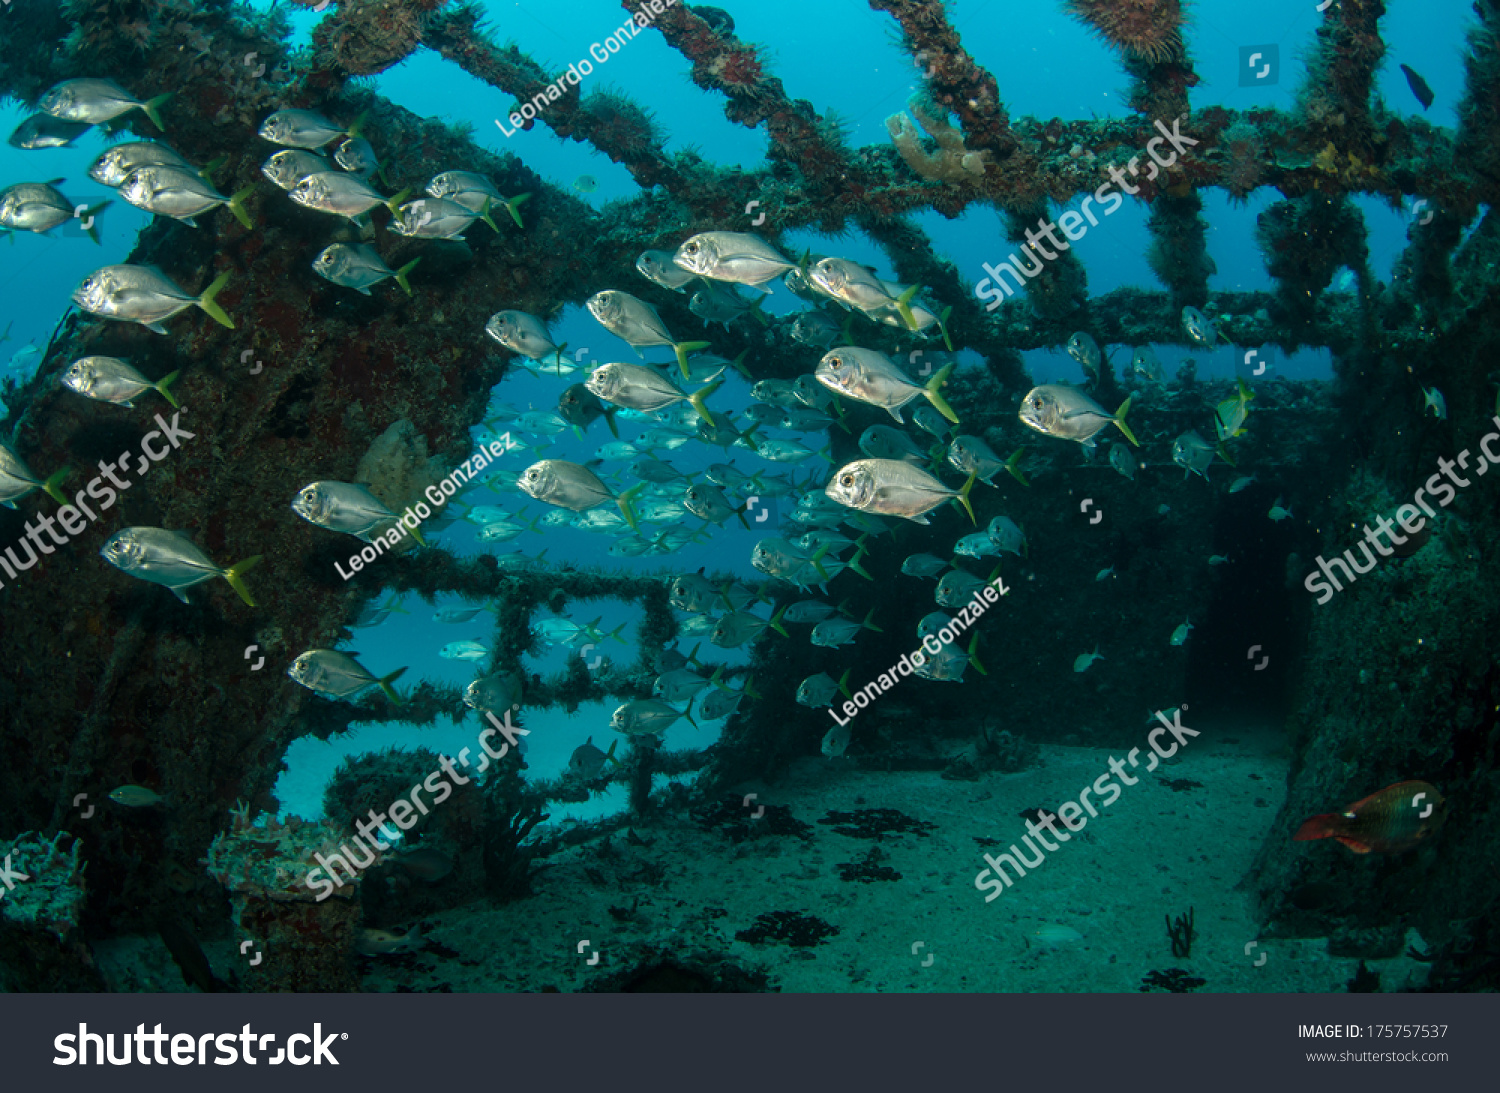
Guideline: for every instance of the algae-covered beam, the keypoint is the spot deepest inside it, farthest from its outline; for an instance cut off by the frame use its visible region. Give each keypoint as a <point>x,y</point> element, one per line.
<point>723,63</point>
<point>620,129</point>
<point>1131,316</point>
<point>1334,103</point>
<point>1479,111</point>
<point>954,80</point>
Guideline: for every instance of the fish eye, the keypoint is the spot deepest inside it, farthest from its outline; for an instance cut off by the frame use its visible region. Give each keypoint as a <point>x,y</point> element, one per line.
<point>847,480</point>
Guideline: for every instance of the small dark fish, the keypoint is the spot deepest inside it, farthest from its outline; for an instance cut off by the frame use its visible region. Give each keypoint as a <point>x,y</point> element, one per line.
<point>578,406</point>
<point>188,955</point>
<point>45,131</point>
<point>1418,87</point>
<point>425,864</point>
<point>1395,818</point>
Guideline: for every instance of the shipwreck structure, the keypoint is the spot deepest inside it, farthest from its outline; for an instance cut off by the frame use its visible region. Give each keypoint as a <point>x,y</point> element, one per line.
<point>108,681</point>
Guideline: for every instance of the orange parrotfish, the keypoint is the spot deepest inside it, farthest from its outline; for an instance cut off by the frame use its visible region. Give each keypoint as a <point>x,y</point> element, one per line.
<point>1395,818</point>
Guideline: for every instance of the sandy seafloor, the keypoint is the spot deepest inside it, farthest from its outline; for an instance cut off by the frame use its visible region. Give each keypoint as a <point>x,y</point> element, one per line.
<point>1156,850</point>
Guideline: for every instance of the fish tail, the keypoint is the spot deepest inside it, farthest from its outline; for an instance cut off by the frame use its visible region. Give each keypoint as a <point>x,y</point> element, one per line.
<point>1323,826</point>
<point>682,349</point>
<point>385,179</point>
<point>235,575</point>
<point>816,561</point>
<point>236,205</point>
<point>609,419</point>
<point>843,683</point>
<point>91,216</point>
<point>1119,419</point>
<point>165,382</point>
<point>401,275</point>
<point>854,564</point>
<point>513,204</point>
<point>714,680</point>
<point>749,688</point>
<point>697,397</point>
<point>396,608</point>
<point>963,498</point>
<point>775,622</point>
<point>357,129</point>
<point>740,512</point>
<point>935,385</point>
<point>609,756</point>
<point>394,203</point>
<point>55,479</point>
<point>208,170</point>
<point>1013,465</point>
<point>416,533</point>
<point>749,434</point>
<point>903,306</point>
<point>738,364</point>
<point>206,301</point>
<point>868,625</point>
<point>152,109</point>
<point>1224,454</point>
<point>974,655</point>
<point>385,685</point>
<point>943,326</point>
<point>484,214</point>
<point>615,633</point>
<point>624,502</point>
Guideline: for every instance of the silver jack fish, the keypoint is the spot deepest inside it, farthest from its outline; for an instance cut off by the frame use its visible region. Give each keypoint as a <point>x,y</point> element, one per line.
<point>1068,413</point>
<point>45,131</point>
<point>95,101</point>
<point>893,488</point>
<point>658,268</point>
<point>647,717</point>
<point>357,156</point>
<point>1193,454</point>
<point>171,559</point>
<point>343,195</point>
<point>857,286</point>
<point>717,304</point>
<point>343,506</point>
<point>870,377</point>
<point>338,675</point>
<point>180,193</point>
<point>1199,329</point>
<point>358,266</point>
<point>637,323</point>
<point>304,129</point>
<point>737,257</point>
<point>109,379</point>
<point>818,691</point>
<point>290,166</point>
<point>884,442</point>
<point>139,294</point>
<point>114,166</point>
<point>573,486</point>
<point>1083,349</point>
<point>437,218</point>
<point>475,193</point>
<point>636,387</point>
<point>38,207</point>
<point>524,334</point>
<point>973,456</point>
<point>496,694</point>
